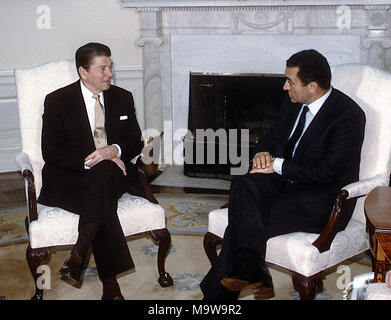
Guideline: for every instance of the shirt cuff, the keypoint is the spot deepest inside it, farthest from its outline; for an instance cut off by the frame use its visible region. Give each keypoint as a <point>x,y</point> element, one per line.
<point>277,165</point>
<point>119,150</point>
<point>134,160</point>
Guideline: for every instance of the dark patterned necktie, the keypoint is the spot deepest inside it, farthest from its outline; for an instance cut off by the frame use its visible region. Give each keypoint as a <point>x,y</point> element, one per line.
<point>290,145</point>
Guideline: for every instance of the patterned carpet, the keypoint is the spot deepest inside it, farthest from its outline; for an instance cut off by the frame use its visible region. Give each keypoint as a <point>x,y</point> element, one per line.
<point>188,213</point>
<point>185,214</point>
<point>186,262</point>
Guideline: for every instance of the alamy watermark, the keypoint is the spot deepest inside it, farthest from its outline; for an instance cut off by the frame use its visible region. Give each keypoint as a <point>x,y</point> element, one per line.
<point>232,147</point>
<point>44,280</point>
<point>344,18</point>
<point>44,17</point>
<point>345,278</point>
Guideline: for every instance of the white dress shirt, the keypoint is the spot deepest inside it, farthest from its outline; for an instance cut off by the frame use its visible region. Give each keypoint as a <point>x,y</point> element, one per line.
<point>313,109</point>
<point>90,104</point>
<point>89,101</point>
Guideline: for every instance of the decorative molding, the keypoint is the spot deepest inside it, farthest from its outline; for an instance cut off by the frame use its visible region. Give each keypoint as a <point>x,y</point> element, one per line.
<point>368,42</point>
<point>183,4</point>
<point>7,85</point>
<point>10,146</point>
<point>150,28</point>
<point>377,39</point>
<point>128,72</point>
<point>261,20</point>
<point>156,41</point>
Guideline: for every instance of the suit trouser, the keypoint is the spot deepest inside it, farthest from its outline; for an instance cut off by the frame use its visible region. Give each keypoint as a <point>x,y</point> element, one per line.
<point>244,244</point>
<point>261,206</point>
<point>95,198</point>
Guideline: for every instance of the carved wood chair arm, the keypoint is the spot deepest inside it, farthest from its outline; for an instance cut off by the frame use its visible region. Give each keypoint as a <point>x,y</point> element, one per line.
<point>25,169</point>
<point>31,195</point>
<point>324,240</point>
<point>144,181</point>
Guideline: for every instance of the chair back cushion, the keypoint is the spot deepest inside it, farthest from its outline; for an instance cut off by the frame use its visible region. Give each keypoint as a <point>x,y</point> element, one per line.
<point>371,89</point>
<point>32,85</point>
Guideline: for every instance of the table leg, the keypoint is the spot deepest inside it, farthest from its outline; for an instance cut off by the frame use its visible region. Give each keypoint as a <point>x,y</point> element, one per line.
<point>380,264</point>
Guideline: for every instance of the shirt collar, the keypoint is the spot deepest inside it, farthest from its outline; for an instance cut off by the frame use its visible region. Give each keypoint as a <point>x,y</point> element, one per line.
<point>87,94</point>
<point>315,106</point>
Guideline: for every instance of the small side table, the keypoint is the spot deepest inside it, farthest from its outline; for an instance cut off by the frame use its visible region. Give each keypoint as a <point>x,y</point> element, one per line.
<point>378,213</point>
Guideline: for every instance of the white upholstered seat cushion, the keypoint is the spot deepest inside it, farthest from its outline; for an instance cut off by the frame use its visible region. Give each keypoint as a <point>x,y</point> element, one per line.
<point>56,226</point>
<point>295,251</point>
<point>218,221</point>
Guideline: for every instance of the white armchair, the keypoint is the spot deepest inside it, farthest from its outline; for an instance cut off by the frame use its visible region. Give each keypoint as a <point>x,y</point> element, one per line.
<point>307,255</point>
<point>50,227</point>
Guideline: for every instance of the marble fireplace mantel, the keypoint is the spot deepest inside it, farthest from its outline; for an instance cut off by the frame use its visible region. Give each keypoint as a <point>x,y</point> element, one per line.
<point>244,3</point>
<point>246,36</point>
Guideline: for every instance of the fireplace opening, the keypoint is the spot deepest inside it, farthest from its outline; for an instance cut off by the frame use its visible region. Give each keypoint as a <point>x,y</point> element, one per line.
<point>225,104</point>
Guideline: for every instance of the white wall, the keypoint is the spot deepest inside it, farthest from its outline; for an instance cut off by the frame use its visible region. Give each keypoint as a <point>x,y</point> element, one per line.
<point>72,24</point>
<point>25,42</point>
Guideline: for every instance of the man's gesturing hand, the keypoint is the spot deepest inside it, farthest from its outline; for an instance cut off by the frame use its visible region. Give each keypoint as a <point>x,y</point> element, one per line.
<point>263,163</point>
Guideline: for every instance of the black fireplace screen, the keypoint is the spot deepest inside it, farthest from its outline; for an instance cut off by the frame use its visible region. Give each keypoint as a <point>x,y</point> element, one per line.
<point>229,102</point>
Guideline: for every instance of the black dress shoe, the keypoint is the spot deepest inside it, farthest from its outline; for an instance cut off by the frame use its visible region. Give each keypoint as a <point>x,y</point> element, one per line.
<point>234,284</point>
<point>73,267</point>
<point>261,292</point>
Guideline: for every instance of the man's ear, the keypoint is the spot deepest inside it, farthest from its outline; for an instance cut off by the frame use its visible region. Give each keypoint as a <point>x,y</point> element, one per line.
<point>82,72</point>
<point>313,86</point>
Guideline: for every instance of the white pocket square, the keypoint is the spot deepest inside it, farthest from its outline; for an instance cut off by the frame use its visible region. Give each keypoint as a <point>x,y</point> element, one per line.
<point>123,117</point>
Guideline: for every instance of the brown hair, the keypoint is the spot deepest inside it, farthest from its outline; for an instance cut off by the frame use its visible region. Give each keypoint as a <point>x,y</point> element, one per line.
<point>85,55</point>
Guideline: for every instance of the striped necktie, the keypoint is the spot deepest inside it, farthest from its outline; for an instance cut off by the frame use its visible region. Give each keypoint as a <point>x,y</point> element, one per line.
<point>99,130</point>
<point>290,145</point>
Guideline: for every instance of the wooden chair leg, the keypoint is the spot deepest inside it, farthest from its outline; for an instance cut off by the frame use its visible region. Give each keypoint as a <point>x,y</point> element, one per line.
<point>210,243</point>
<point>36,258</point>
<point>307,287</point>
<point>373,260</point>
<point>162,236</point>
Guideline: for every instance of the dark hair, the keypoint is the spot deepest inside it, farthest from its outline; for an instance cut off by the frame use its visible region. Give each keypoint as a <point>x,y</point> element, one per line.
<point>312,67</point>
<point>85,55</point>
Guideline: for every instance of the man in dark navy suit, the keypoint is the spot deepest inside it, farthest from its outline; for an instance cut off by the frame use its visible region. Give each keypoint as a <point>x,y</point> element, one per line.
<point>311,152</point>
<point>90,135</point>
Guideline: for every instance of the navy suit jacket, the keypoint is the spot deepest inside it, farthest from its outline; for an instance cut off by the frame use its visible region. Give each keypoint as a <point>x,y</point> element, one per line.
<point>327,157</point>
<point>67,137</point>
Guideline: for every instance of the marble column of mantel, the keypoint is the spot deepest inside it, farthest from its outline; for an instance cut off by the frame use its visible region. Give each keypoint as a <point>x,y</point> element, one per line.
<point>245,3</point>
